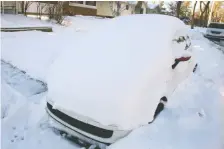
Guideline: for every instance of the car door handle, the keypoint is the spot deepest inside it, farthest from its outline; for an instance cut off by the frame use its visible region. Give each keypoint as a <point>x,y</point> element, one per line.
<point>178,60</point>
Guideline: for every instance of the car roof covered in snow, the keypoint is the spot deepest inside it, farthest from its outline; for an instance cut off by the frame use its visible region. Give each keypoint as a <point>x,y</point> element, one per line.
<point>109,74</point>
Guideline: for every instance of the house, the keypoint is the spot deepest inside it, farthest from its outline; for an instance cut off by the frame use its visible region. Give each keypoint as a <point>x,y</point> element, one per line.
<point>101,8</point>
<point>88,8</point>
<point>9,7</point>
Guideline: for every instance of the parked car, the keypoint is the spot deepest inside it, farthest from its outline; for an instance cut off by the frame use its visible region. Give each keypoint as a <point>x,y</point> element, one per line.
<point>119,76</point>
<point>215,31</point>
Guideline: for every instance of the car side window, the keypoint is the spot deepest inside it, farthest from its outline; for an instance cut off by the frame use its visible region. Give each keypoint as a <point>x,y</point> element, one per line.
<point>181,43</point>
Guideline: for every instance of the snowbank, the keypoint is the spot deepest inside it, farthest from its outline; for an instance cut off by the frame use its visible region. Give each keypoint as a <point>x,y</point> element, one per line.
<point>24,123</point>
<point>84,23</point>
<point>191,120</point>
<point>8,20</point>
<point>115,70</point>
<point>34,51</point>
<point>11,101</point>
<point>194,116</point>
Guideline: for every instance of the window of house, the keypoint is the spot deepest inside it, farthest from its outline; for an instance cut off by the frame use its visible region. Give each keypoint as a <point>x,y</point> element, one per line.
<point>141,11</point>
<point>78,2</point>
<point>91,3</point>
<point>127,7</point>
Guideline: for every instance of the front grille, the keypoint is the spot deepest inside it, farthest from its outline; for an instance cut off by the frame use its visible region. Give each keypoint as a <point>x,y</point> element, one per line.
<point>215,32</point>
<point>103,133</point>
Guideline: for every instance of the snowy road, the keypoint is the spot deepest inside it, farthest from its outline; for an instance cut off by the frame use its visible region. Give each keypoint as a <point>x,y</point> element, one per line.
<point>192,119</point>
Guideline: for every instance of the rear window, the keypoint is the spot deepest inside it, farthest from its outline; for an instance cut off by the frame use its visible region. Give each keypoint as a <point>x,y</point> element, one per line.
<point>216,25</point>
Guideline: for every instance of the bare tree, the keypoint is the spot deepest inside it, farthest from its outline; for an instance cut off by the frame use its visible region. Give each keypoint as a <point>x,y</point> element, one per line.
<point>58,15</point>
<point>40,8</point>
<point>26,5</point>
<point>217,12</point>
<point>192,18</point>
<point>55,11</point>
<point>51,10</point>
<point>116,8</point>
<point>206,17</point>
<point>178,8</point>
<point>203,8</point>
<point>138,7</point>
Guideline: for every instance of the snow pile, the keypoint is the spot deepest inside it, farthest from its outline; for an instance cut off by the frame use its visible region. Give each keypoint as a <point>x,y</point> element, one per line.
<point>11,101</point>
<point>8,20</point>
<point>30,52</point>
<point>116,74</point>
<point>190,120</point>
<point>193,117</point>
<point>83,23</point>
<point>24,121</point>
<point>34,51</point>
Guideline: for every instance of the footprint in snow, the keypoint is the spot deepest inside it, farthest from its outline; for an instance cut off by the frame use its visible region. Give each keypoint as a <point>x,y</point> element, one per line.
<point>22,138</point>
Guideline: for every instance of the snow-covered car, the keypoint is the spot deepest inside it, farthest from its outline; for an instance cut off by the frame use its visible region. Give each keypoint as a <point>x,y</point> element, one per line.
<point>215,31</point>
<point>118,76</point>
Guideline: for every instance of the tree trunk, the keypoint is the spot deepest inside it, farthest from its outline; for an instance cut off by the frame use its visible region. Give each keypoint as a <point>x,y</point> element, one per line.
<point>192,18</point>
<point>178,8</point>
<point>22,7</point>
<point>202,13</point>
<point>206,18</point>
<point>138,7</point>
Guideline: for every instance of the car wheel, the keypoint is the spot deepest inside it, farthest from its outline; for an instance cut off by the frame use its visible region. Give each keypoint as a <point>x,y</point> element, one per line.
<point>195,67</point>
<point>160,106</point>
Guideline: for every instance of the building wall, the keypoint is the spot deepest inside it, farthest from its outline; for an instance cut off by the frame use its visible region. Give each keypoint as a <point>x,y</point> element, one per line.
<point>104,8</point>
<point>75,9</point>
<point>33,8</point>
<point>9,7</point>
<point>125,11</point>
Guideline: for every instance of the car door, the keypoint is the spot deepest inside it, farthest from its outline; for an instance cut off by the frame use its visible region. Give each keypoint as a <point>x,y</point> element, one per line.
<point>181,49</point>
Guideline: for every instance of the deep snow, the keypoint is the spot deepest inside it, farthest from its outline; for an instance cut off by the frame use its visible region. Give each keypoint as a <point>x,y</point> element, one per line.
<point>117,75</point>
<point>192,118</point>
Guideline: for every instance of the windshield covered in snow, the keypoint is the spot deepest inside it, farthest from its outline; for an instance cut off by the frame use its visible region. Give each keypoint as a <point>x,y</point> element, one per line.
<point>216,25</point>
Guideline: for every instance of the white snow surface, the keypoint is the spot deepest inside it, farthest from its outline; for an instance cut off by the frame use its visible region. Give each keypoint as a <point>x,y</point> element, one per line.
<point>118,71</point>
<point>193,118</point>
<point>32,46</point>
<point>8,20</point>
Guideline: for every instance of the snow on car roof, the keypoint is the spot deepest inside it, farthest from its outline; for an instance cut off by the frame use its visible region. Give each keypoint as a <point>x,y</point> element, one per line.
<point>107,76</point>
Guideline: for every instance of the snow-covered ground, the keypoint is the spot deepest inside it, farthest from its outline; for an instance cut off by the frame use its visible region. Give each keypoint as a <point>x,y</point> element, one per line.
<point>194,117</point>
